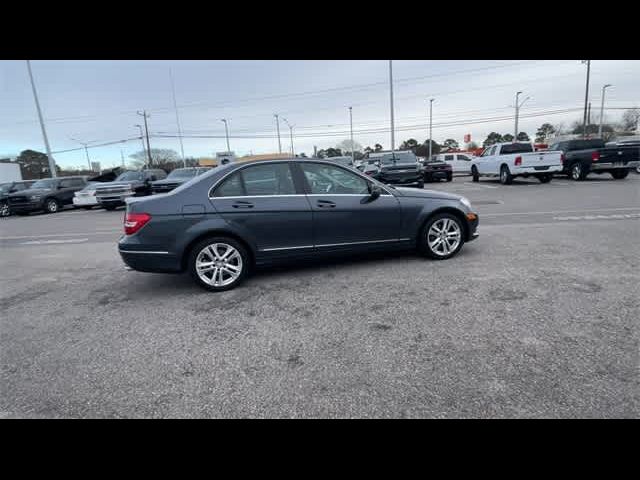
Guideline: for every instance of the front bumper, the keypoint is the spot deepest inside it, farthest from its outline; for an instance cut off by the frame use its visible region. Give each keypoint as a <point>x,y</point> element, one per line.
<point>472,226</point>
<point>85,201</point>
<point>26,207</point>
<point>118,199</point>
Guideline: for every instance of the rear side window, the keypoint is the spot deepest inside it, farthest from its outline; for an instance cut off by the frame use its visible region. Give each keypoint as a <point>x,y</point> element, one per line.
<point>258,180</point>
<point>65,183</point>
<point>230,187</point>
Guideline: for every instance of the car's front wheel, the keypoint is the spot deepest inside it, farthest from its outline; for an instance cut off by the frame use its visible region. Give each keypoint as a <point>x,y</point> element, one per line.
<point>4,209</point>
<point>475,174</point>
<point>218,263</point>
<point>442,237</point>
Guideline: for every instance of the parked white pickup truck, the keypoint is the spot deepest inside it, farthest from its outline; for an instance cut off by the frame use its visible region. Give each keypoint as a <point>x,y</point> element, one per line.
<point>510,160</point>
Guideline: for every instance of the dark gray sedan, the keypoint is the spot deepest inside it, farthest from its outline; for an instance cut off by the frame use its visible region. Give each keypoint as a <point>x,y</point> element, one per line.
<point>220,224</point>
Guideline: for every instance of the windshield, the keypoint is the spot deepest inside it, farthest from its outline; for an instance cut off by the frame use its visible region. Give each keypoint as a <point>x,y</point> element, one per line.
<point>5,187</point>
<point>400,157</point>
<point>183,173</point>
<point>48,183</point>
<point>128,176</point>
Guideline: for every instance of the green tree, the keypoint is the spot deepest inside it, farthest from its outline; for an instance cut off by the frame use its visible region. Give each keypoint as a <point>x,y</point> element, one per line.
<point>34,165</point>
<point>523,137</point>
<point>411,144</point>
<point>423,149</point>
<point>345,146</point>
<point>377,147</point>
<point>450,144</point>
<point>368,150</point>
<point>164,158</point>
<point>492,138</point>
<point>630,120</point>
<point>592,130</point>
<point>545,131</point>
<point>506,138</point>
<point>333,152</point>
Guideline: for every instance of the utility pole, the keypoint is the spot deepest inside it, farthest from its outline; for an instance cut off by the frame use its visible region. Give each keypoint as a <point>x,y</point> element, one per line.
<point>351,128</point>
<point>391,105</point>
<point>430,126</point>
<point>86,150</point>
<point>293,153</point>
<point>146,129</point>
<point>278,130</point>
<point>589,115</point>
<point>52,163</point>
<point>144,149</point>
<point>175,107</point>
<point>586,99</point>
<point>518,105</point>
<point>602,108</point>
<point>226,129</point>
<point>122,157</point>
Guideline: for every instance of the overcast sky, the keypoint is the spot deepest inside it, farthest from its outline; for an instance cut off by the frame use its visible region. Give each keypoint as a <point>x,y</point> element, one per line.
<point>96,101</point>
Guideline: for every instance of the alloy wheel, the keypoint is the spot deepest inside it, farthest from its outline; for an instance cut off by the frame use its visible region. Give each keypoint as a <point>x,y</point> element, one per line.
<point>219,264</point>
<point>4,210</point>
<point>444,236</point>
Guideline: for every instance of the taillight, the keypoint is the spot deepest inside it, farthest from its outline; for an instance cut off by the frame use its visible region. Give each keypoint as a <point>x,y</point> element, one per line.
<point>595,156</point>
<point>134,222</point>
<point>518,161</point>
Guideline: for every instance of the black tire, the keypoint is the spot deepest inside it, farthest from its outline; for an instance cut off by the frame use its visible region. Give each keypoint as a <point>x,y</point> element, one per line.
<point>428,177</point>
<point>505,176</point>
<point>423,242</point>
<point>545,178</point>
<point>110,207</point>
<point>475,174</point>
<point>449,177</point>
<point>245,263</point>
<point>51,205</point>
<point>620,174</point>
<point>576,172</point>
<point>88,207</point>
<point>4,209</point>
<point>421,184</point>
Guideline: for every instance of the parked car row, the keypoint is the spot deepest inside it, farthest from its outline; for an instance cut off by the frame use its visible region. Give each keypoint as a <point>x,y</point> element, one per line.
<point>52,194</point>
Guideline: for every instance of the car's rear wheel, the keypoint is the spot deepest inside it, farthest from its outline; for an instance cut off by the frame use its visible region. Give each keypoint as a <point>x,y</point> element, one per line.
<point>474,174</point>
<point>449,176</point>
<point>505,176</point>
<point>4,210</point>
<point>51,205</point>
<point>421,184</point>
<point>442,237</point>
<point>218,263</point>
<point>620,174</point>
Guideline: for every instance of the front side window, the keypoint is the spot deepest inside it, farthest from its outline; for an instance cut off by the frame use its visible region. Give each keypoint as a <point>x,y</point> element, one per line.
<point>448,158</point>
<point>333,180</point>
<point>77,182</point>
<point>129,176</point>
<point>65,183</point>
<point>464,158</point>
<point>47,184</point>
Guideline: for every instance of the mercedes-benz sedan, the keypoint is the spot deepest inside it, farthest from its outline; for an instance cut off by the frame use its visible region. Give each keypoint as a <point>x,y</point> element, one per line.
<point>220,224</point>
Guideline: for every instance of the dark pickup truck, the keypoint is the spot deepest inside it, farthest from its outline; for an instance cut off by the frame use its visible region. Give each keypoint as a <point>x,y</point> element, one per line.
<point>6,189</point>
<point>48,194</point>
<point>111,195</point>
<point>176,178</point>
<point>397,168</point>
<point>582,157</point>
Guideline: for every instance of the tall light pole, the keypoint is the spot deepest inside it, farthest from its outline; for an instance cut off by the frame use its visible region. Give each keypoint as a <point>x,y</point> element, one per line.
<point>602,108</point>
<point>278,130</point>
<point>351,128</point>
<point>52,163</point>
<point>586,99</point>
<point>175,107</point>
<point>293,153</point>
<point>518,105</point>
<point>86,150</point>
<point>393,140</point>
<point>430,126</point>
<point>226,130</point>
<point>146,130</point>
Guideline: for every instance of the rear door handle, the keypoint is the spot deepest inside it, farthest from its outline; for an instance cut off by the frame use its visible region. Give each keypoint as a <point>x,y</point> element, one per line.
<point>326,204</point>
<point>242,205</point>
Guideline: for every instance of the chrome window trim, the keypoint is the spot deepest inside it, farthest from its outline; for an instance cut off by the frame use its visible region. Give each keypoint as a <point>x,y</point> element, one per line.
<point>258,196</point>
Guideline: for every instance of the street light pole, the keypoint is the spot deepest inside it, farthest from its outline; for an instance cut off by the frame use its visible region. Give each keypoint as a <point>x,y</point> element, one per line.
<point>602,109</point>
<point>391,106</point>
<point>52,163</point>
<point>351,128</point>
<point>430,126</point>
<point>146,130</point>
<point>518,106</point>
<point>278,130</point>
<point>175,107</point>
<point>586,99</point>
<point>226,129</point>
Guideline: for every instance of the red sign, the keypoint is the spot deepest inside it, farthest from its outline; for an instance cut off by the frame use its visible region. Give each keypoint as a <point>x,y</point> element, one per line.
<point>467,138</point>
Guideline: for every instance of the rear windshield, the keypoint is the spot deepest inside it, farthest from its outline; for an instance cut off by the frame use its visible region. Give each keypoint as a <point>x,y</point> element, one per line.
<point>183,173</point>
<point>585,144</point>
<point>398,157</point>
<point>516,148</point>
<point>129,176</point>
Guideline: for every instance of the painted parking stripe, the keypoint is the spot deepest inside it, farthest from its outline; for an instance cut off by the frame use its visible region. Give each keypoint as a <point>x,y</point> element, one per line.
<point>96,232</point>
<point>617,216</point>
<point>477,184</point>
<point>556,212</point>
<point>49,242</point>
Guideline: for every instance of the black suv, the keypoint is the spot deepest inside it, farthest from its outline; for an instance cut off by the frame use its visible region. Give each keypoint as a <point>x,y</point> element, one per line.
<point>6,189</point>
<point>47,194</point>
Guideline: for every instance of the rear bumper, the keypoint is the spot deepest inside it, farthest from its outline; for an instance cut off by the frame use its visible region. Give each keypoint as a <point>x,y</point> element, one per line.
<point>537,170</point>
<point>153,261</point>
<point>614,165</point>
<point>438,174</point>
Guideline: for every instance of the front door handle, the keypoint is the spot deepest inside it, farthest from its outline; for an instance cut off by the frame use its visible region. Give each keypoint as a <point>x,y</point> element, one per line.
<point>242,205</point>
<point>326,204</point>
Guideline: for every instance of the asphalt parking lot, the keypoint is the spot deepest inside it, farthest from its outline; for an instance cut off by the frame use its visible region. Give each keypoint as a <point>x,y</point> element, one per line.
<point>537,318</point>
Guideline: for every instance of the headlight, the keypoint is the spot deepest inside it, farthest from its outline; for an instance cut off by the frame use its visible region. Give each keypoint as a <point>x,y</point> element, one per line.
<point>465,201</point>
<point>34,197</point>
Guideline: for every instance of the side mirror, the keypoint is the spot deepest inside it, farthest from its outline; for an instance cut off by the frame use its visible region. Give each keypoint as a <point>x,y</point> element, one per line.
<point>60,186</point>
<point>374,191</point>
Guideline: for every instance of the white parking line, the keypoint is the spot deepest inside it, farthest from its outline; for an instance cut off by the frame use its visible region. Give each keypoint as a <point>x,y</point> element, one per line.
<point>618,216</point>
<point>477,184</point>
<point>47,242</point>
<point>555,212</point>
<point>96,232</point>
